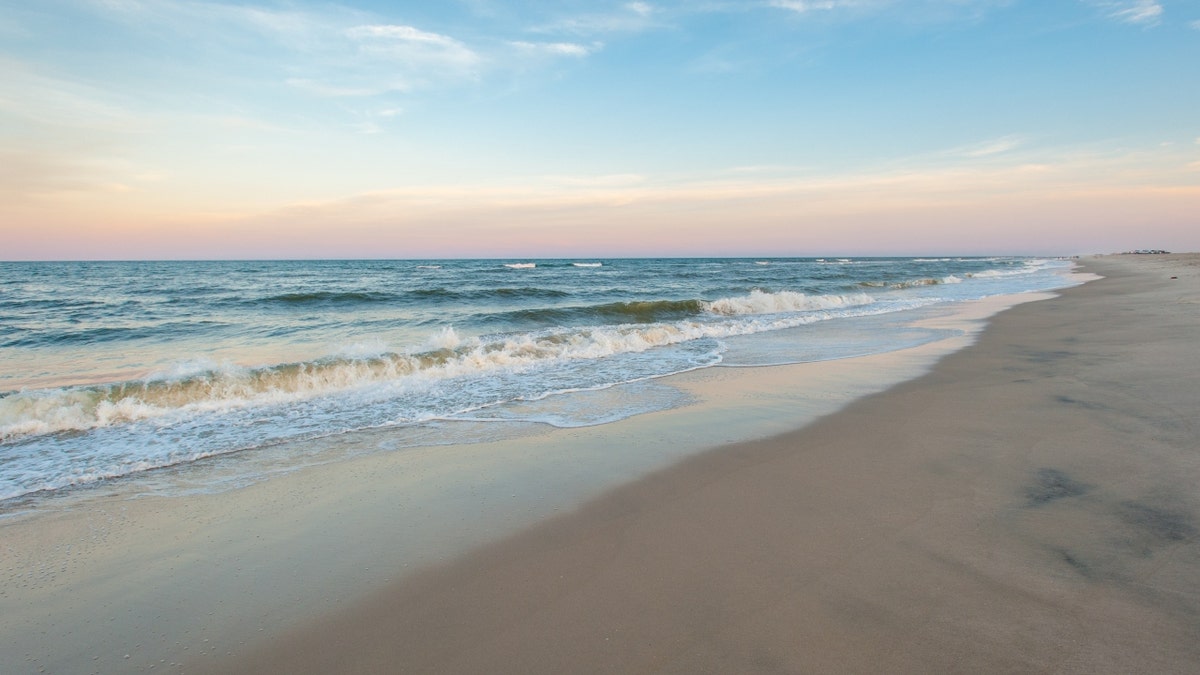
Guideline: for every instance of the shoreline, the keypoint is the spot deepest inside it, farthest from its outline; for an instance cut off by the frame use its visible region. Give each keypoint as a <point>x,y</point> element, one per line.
<point>298,528</point>
<point>1026,506</point>
<point>191,574</point>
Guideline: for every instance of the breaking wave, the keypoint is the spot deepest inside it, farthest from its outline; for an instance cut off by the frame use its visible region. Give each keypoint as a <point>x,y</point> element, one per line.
<point>630,327</point>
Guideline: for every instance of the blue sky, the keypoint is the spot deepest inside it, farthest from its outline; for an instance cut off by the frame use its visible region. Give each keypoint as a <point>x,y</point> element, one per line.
<point>181,128</point>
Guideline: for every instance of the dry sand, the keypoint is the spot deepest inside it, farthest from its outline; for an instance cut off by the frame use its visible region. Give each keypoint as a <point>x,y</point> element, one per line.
<point>1030,505</point>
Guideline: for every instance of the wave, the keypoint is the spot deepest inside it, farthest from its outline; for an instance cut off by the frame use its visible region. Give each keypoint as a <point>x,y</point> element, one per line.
<point>513,293</point>
<point>55,304</point>
<point>759,302</point>
<point>651,311</point>
<point>420,294</point>
<point>328,297</point>
<point>107,334</point>
<point>912,283</point>
<point>520,266</point>
<point>523,292</point>
<point>648,311</point>
<point>1027,268</point>
<point>583,264</point>
<point>207,387</point>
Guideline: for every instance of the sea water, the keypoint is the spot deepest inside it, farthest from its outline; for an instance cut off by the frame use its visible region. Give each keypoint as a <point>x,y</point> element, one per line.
<point>119,370</point>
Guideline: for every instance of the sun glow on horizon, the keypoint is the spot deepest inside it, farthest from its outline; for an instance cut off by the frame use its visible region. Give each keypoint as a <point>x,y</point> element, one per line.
<point>191,128</point>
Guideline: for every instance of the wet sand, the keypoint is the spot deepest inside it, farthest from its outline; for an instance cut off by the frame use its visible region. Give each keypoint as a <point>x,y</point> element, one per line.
<point>1030,505</point>
<point>181,569</point>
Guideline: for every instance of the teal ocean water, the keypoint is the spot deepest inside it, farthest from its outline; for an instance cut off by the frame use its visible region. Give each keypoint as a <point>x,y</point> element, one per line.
<point>119,370</point>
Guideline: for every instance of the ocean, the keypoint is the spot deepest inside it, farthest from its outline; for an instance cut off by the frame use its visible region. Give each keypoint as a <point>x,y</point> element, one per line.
<point>204,375</point>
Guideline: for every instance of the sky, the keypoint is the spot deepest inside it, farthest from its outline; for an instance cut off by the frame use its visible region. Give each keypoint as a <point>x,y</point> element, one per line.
<point>196,129</point>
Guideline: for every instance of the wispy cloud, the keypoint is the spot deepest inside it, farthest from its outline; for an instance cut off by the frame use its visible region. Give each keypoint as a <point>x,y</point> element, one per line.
<point>228,23</point>
<point>556,48</point>
<point>641,8</point>
<point>374,121</point>
<point>47,100</point>
<point>333,51</point>
<point>991,147</point>
<point>403,55</point>
<point>803,6</point>
<point>413,45</point>
<point>905,11</point>
<point>1140,12</point>
<point>631,17</point>
<point>633,207</point>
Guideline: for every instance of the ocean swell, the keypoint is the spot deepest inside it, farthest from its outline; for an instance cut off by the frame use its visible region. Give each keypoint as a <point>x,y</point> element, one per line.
<point>633,327</point>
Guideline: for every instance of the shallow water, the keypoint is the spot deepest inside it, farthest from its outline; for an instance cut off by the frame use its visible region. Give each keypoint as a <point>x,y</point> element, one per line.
<point>113,370</point>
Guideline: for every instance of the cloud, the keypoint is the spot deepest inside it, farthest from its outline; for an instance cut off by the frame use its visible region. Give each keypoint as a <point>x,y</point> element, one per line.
<point>995,146</point>
<point>226,23</point>
<point>407,33</point>
<point>1142,12</point>
<point>581,215</point>
<point>45,174</point>
<point>803,6</point>
<point>556,48</point>
<point>1028,204</point>
<point>46,100</point>
<point>633,17</point>
<point>641,8</point>
<point>413,47</point>
<point>905,11</point>
<point>375,121</point>
<point>323,50</point>
<point>333,51</point>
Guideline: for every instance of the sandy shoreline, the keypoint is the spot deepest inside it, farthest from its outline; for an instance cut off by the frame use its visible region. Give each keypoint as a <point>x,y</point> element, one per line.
<point>972,516</point>
<point>1028,506</point>
<point>119,579</point>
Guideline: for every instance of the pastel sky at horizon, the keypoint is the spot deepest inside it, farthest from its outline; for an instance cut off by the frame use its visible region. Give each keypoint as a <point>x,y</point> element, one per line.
<point>168,129</point>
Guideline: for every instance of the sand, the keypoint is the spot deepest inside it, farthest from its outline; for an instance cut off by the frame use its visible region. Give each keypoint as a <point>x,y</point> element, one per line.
<point>1028,505</point>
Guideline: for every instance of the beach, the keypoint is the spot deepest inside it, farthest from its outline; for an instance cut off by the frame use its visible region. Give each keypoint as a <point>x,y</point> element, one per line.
<point>1020,499</point>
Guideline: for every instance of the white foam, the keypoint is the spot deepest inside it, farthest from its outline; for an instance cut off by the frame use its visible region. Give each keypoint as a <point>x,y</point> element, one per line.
<point>1029,267</point>
<point>189,390</point>
<point>446,338</point>
<point>758,302</point>
<point>201,407</point>
<point>365,349</point>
